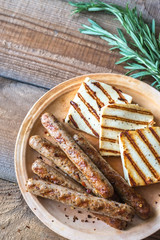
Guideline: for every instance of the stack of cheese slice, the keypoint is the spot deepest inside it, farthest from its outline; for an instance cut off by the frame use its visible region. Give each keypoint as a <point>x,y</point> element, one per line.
<point>84,113</point>
<point>118,117</point>
<point>123,129</point>
<point>140,154</point>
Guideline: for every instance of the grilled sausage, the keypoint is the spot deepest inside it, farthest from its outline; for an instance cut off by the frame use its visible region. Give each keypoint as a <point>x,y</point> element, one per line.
<point>59,158</point>
<point>99,183</point>
<point>113,222</point>
<point>93,204</point>
<point>54,156</point>
<point>52,175</point>
<point>127,194</point>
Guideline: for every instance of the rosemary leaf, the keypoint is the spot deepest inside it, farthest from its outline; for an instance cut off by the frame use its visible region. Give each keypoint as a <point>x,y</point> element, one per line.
<point>142,54</point>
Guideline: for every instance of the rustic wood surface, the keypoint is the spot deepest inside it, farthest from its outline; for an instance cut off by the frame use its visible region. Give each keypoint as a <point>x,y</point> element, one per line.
<point>40,42</point>
<point>15,100</point>
<point>40,46</point>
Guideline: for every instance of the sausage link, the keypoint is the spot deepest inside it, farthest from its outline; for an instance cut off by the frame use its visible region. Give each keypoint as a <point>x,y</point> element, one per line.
<point>73,198</point>
<point>99,183</point>
<point>113,222</point>
<point>52,175</point>
<point>59,158</point>
<point>127,194</point>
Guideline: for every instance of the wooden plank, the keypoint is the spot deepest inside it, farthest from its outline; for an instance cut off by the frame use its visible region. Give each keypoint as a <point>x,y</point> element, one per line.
<point>40,42</point>
<point>15,101</point>
<point>18,222</point>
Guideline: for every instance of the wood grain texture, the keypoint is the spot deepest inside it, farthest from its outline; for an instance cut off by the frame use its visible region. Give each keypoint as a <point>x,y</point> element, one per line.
<point>40,42</point>
<point>16,219</point>
<point>15,101</point>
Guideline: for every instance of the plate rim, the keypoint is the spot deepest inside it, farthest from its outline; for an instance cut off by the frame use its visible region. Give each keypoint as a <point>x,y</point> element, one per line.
<point>58,226</point>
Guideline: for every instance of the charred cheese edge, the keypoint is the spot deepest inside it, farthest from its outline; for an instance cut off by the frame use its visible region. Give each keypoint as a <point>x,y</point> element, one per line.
<point>118,117</point>
<point>140,154</point>
<point>84,113</point>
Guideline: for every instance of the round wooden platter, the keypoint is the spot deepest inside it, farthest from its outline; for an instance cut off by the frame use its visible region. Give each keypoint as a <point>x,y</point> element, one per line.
<point>56,216</point>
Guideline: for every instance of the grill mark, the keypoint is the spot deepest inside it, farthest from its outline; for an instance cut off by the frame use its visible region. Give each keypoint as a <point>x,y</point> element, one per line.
<point>73,121</point>
<point>93,95</point>
<point>98,85</point>
<point>121,97</point>
<point>75,105</point>
<point>112,128</point>
<point>125,119</point>
<point>130,109</point>
<point>131,140</point>
<point>90,108</point>
<point>154,134</point>
<point>149,145</point>
<point>108,150</point>
<point>133,183</point>
<point>140,173</point>
<point>108,139</point>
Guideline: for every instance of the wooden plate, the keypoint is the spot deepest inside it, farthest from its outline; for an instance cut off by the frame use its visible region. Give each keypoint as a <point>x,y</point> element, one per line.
<point>59,217</point>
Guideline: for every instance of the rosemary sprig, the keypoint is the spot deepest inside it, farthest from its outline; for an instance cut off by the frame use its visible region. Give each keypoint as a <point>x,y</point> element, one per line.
<point>143,50</point>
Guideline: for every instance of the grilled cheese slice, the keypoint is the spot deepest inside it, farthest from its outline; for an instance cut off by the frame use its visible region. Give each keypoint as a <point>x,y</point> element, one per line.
<point>140,154</point>
<point>118,117</point>
<point>84,113</point>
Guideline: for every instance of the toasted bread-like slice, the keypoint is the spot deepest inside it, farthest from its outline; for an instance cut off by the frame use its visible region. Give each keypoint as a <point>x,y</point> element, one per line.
<point>118,117</point>
<point>84,113</point>
<point>140,154</point>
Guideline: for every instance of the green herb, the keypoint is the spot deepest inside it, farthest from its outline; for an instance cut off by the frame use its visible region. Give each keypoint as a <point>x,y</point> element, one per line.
<point>143,50</point>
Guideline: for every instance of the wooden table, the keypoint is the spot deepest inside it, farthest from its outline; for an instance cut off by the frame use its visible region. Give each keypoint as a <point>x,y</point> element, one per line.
<point>40,47</point>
